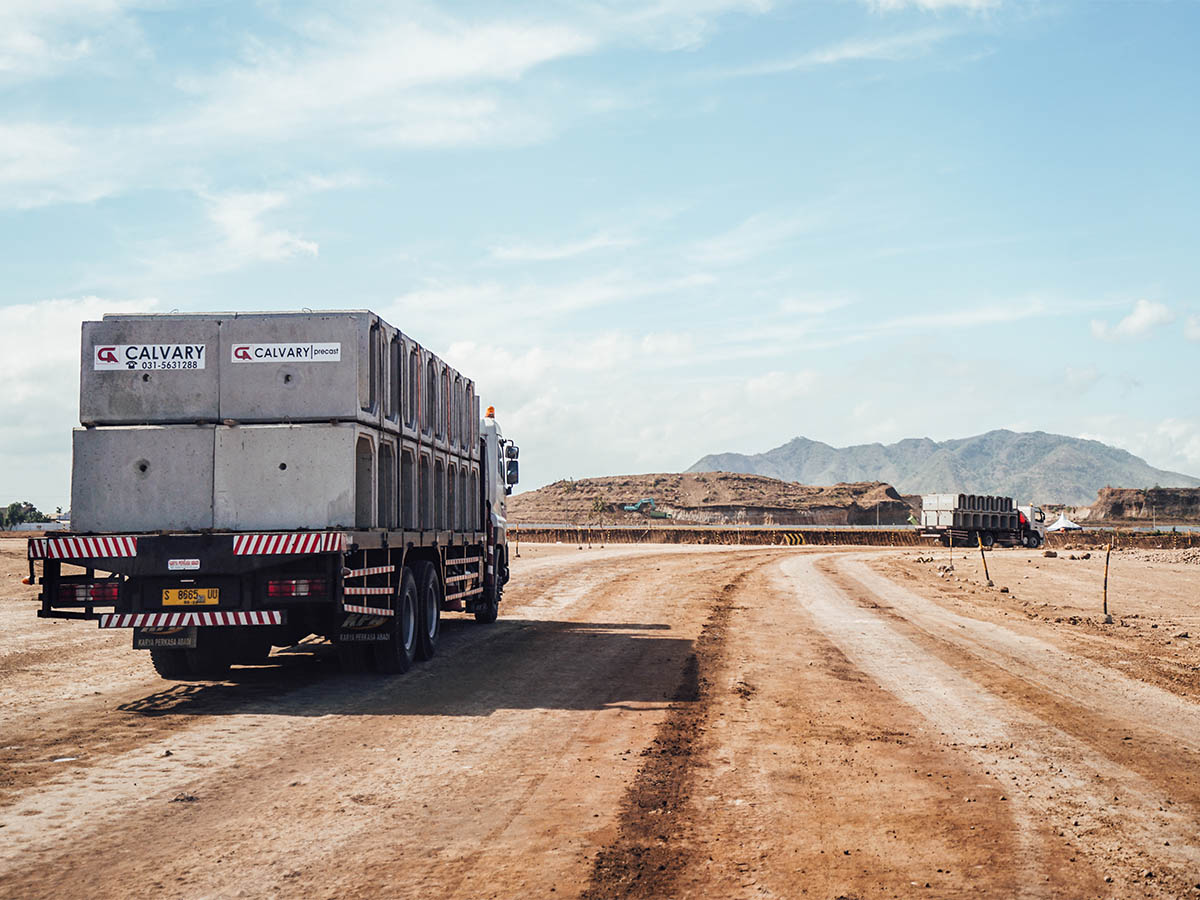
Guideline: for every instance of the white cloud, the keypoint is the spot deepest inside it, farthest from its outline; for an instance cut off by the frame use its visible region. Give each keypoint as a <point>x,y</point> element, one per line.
<point>496,304</point>
<point>241,231</point>
<point>42,164</point>
<point>813,304</point>
<point>1191,329</point>
<point>932,5</point>
<point>1080,378</point>
<point>39,37</point>
<point>759,234</point>
<point>365,79</point>
<point>526,252</point>
<point>664,24</point>
<point>39,368</point>
<point>382,81</point>
<point>890,48</point>
<point>1171,443</point>
<point>246,237</point>
<point>1145,317</point>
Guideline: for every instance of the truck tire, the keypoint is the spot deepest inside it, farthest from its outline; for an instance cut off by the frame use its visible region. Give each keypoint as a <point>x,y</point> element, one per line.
<point>987,538</point>
<point>487,608</point>
<point>429,609</point>
<point>395,656</point>
<point>171,663</point>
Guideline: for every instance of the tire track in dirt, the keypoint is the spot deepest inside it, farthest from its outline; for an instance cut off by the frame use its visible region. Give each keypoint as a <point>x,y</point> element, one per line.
<point>108,723</point>
<point>1146,729</point>
<point>532,695</point>
<point>1054,780</point>
<point>651,847</point>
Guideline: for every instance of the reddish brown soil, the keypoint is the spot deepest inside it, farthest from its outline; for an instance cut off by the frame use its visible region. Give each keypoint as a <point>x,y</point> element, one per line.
<point>658,721</point>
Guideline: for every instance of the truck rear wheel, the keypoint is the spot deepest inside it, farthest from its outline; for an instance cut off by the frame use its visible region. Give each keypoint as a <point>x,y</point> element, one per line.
<point>987,538</point>
<point>171,662</point>
<point>395,655</point>
<point>487,608</point>
<point>429,605</point>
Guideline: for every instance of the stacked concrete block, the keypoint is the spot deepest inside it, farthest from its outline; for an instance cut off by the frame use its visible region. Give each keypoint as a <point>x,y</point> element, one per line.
<point>313,420</point>
<point>142,478</point>
<point>149,370</point>
<point>968,511</point>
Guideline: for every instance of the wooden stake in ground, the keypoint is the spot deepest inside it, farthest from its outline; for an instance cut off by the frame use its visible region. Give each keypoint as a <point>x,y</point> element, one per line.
<point>1108,620</point>
<point>983,556</point>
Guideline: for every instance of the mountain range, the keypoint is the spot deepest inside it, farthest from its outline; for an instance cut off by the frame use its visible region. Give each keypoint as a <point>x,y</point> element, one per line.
<point>1044,468</point>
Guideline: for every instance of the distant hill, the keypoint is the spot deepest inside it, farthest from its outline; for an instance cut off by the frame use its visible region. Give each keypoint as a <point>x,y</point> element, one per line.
<point>1047,468</point>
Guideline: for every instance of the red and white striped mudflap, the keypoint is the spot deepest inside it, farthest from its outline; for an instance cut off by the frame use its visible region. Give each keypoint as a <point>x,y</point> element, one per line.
<point>184,619</point>
<point>366,610</point>
<point>83,547</point>
<point>275,544</point>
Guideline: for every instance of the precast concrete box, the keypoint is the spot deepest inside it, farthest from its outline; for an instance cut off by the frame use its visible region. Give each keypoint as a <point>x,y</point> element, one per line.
<point>302,367</point>
<point>941,502</point>
<point>149,370</point>
<point>285,477</point>
<point>147,478</point>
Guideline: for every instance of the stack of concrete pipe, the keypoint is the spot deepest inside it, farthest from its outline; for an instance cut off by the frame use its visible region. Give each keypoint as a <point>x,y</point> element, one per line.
<point>969,511</point>
<point>270,421</point>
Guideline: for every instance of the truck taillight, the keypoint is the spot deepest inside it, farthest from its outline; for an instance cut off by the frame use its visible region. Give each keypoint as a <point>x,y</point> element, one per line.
<point>96,592</point>
<point>297,587</point>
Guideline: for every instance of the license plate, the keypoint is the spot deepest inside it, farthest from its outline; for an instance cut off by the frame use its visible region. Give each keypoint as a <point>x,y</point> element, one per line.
<point>191,596</point>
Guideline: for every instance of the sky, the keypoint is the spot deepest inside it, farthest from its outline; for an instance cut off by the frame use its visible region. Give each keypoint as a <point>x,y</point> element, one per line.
<point>648,230</point>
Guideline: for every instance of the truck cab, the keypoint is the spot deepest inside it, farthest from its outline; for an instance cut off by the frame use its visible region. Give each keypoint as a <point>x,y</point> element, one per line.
<point>1033,526</point>
<point>501,474</point>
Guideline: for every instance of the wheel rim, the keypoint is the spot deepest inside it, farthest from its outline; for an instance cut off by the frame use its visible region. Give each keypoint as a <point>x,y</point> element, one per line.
<point>408,625</point>
<point>431,612</point>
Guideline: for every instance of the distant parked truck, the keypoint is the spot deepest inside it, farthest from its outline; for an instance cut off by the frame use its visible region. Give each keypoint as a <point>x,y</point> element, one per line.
<point>244,480</point>
<point>971,519</point>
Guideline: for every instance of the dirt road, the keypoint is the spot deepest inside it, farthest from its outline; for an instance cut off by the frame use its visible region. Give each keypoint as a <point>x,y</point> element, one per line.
<point>652,721</point>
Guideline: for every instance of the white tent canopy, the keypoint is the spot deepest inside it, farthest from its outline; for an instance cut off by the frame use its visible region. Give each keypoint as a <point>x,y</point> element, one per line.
<point>1062,523</point>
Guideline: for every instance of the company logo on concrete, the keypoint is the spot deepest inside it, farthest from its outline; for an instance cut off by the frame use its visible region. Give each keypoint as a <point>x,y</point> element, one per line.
<point>297,353</point>
<point>170,357</point>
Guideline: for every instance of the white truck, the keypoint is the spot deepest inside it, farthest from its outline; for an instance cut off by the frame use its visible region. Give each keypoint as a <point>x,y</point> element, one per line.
<point>244,480</point>
<point>968,520</point>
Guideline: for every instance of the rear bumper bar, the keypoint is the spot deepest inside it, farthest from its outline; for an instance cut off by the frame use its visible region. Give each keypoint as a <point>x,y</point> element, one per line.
<point>185,619</point>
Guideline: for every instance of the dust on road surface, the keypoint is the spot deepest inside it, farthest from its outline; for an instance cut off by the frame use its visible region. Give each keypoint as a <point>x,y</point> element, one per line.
<point>642,722</point>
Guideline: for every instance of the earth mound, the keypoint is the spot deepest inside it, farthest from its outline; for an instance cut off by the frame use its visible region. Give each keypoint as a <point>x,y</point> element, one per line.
<point>709,498</point>
<point>1164,506</point>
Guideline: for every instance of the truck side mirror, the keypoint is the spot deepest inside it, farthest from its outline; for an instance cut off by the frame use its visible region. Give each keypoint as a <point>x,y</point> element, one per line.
<point>512,451</point>
<point>511,474</point>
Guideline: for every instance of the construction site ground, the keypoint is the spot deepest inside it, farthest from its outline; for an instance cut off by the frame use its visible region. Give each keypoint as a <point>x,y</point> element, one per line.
<point>643,721</point>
